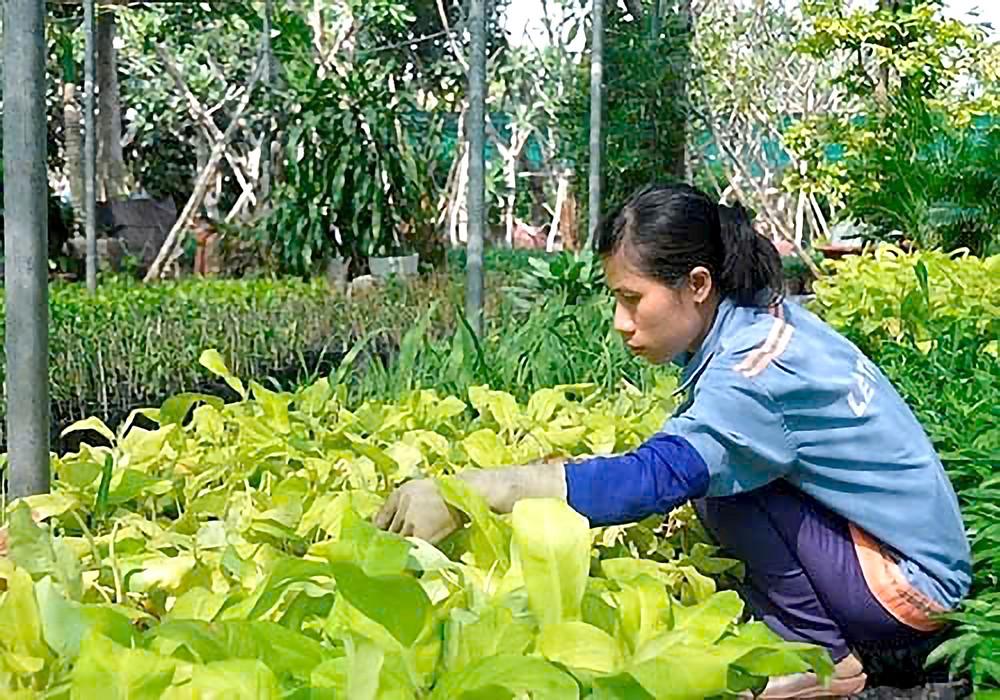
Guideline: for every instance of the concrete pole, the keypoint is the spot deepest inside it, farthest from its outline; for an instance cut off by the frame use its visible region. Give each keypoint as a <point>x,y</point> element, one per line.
<point>475,124</point>
<point>90,143</point>
<point>26,247</point>
<point>596,119</point>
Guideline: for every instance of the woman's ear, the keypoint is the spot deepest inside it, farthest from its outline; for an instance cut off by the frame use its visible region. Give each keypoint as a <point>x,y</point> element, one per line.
<point>700,284</point>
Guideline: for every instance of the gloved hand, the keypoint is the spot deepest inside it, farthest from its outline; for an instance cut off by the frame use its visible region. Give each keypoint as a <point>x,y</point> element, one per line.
<point>417,509</point>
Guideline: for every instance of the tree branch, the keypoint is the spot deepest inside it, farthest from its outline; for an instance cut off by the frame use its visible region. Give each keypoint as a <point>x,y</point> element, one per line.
<point>774,216</point>
<point>634,8</point>
<point>204,179</point>
<point>201,116</point>
<point>451,37</point>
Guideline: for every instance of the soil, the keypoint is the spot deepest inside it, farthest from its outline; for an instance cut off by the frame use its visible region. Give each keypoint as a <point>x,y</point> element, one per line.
<point>931,691</point>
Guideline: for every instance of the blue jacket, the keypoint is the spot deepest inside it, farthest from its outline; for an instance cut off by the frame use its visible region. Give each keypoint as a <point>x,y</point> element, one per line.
<point>779,394</point>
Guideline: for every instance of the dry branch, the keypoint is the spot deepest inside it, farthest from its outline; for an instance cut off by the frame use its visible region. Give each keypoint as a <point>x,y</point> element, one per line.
<point>203,117</point>
<point>204,178</point>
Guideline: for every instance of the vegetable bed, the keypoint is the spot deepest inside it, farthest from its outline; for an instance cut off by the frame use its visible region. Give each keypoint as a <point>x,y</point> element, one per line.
<point>207,549</point>
<point>228,552</point>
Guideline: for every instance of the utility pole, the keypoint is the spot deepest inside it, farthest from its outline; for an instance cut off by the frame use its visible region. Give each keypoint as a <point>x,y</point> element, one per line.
<point>26,247</point>
<point>596,119</point>
<point>90,143</point>
<point>475,123</point>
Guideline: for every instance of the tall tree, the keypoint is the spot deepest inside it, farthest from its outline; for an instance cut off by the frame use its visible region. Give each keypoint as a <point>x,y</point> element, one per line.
<point>646,103</point>
<point>743,108</point>
<point>916,155</point>
<point>110,158</point>
<point>73,125</point>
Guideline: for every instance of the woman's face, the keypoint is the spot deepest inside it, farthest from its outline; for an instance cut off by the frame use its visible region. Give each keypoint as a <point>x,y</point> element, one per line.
<point>659,322</point>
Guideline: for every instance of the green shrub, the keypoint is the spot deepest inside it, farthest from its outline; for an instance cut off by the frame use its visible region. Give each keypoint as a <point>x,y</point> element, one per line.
<point>134,345</point>
<point>576,277</point>
<point>354,185</point>
<point>501,260</point>
<point>954,389</point>
<point>913,297</point>
<point>552,343</point>
<point>912,153</point>
<point>925,179</point>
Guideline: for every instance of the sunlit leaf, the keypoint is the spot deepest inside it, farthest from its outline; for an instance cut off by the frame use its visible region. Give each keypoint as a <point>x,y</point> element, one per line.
<point>553,546</point>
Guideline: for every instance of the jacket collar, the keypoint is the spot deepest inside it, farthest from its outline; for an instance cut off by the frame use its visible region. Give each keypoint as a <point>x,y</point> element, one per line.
<point>694,364</point>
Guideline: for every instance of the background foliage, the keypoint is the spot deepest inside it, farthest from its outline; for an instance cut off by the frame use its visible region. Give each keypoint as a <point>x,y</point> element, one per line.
<point>645,109</point>
<point>915,140</point>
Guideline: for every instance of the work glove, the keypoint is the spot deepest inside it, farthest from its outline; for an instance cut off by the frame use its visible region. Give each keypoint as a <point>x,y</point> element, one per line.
<point>416,509</point>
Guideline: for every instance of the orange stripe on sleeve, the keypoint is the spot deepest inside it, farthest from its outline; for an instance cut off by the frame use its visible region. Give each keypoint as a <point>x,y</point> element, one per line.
<point>775,344</point>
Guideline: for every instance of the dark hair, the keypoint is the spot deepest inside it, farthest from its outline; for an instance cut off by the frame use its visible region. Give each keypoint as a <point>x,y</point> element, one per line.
<point>668,230</point>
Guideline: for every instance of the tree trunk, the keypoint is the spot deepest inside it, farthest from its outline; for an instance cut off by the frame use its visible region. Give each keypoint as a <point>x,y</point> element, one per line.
<point>883,83</point>
<point>568,219</point>
<point>634,8</point>
<point>459,220</point>
<point>74,148</point>
<point>475,129</point>
<point>680,39</point>
<point>456,213</point>
<point>536,185</point>
<point>511,156</point>
<point>266,155</point>
<point>110,161</point>
<point>655,20</point>
<point>90,140</point>
<point>562,188</point>
<point>596,119</point>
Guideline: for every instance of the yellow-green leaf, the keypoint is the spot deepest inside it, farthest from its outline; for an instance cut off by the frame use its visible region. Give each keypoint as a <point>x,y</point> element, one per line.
<point>213,362</point>
<point>581,646</point>
<point>553,547</point>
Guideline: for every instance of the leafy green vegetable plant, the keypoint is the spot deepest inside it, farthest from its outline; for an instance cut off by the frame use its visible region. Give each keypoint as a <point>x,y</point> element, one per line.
<point>231,549</point>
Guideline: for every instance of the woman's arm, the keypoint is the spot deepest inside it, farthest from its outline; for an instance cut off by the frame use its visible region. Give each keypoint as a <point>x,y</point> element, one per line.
<point>661,474</point>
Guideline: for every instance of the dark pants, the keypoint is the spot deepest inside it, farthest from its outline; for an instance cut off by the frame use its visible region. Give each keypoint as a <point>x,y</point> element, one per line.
<point>803,576</point>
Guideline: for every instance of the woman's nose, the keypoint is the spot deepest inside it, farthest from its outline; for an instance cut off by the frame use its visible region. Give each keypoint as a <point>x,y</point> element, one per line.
<point>623,321</point>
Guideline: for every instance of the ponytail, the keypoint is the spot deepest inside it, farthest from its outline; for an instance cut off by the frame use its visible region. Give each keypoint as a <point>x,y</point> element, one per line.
<point>670,230</point>
<point>751,267</point>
